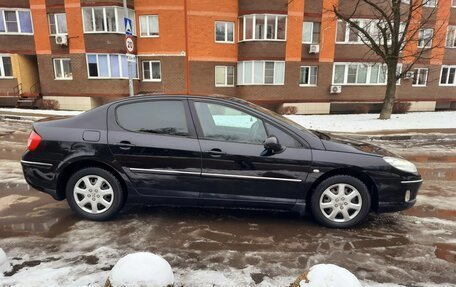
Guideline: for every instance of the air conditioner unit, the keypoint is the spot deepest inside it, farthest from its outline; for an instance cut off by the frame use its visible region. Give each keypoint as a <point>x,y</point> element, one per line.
<point>61,40</point>
<point>336,89</point>
<point>314,49</point>
<point>408,75</point>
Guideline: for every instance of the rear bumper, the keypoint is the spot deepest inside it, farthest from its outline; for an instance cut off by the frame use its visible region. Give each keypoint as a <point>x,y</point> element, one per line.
<point>397,201</point>
<point>41,176</point>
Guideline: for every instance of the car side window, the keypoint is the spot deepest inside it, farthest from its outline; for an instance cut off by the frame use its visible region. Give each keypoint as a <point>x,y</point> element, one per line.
<point>155,117</point>
<point>219,122</point>
<point>284,138</point>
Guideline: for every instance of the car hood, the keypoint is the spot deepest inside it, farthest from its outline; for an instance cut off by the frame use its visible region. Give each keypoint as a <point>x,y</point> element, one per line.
<point>339,143</point>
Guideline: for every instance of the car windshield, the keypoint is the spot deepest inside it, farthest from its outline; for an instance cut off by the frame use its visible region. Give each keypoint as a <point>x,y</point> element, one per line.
<point>274,115</point>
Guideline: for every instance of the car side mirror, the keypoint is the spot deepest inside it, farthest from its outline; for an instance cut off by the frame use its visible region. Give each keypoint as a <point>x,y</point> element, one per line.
<point>272,145</point>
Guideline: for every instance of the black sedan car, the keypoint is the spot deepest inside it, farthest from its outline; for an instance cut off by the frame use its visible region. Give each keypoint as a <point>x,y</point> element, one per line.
<point>211,152</point>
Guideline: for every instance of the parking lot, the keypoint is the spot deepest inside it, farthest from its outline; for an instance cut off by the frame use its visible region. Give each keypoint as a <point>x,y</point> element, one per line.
<point>48,243</point>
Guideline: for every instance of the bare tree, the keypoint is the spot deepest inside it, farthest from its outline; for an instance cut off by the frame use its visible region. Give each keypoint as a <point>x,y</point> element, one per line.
<point>395,34</point>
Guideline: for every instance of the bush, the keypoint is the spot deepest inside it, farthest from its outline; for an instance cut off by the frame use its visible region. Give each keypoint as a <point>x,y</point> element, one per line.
<point>401,107</point>
<point>49,105</point>
<point>288,110</point>
<point>361,109</point>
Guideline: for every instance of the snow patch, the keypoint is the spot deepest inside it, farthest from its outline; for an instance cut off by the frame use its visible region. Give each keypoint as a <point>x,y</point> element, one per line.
<point>41,112</point>
<point>329,275</point>
<point>5,265</point>
<point>370,122</point>
<point>142,269</point>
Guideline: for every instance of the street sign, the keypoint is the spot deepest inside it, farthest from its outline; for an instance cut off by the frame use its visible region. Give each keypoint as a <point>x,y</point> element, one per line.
<point>129,44</point>
<point>128,26</point>
<point>131,58</point>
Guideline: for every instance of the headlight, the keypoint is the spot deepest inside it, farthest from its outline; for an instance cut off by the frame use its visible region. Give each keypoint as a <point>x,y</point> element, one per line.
<point>401,164</point>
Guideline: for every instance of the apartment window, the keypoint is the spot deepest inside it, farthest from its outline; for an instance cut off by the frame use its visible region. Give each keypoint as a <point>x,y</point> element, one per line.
<point>451,36</point>
<point>57,24</point>
<point>109,66</point>
<point>261,73</point>
<point>359,74</point>
<point>15,21</point>
<point>308,76</point>
<point>420,76</point>
<point>148,26</point>
<point>224,76</point>
<point>62,69</point>
<point>151,71</point>
<point>6,69</point>
<point>429,3</point>
<point>453,3</point>
<point>311,32</point>
<point>106,19</point>
<point>425,38</point>
<point>263,27</point>
<point>224,32</point>
<point>448,76</point>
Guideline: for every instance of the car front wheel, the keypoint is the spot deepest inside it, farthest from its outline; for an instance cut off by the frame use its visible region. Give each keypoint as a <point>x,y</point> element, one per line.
<point>94,194</point>
<point>341,201</point>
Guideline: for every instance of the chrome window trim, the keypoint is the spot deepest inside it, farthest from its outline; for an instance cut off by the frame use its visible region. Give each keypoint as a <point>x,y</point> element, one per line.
<point>163,171</point>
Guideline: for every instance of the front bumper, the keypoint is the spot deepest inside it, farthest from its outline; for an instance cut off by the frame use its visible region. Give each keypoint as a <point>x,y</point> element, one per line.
<point>393,200</point>
<point>41,176</point>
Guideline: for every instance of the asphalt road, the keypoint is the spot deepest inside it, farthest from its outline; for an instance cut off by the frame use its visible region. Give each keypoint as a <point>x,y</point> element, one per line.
<point>247,247</point>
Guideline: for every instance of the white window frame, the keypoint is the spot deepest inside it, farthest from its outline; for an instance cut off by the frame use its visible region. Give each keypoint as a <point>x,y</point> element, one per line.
<point>2,68</point>
<point>422,40</point>
<point>147,28</point>
<point>316,76</point>
<point>226,76</point>
<point>57,28</point>
<point>264,38</point>
<point>109,67</point>
<point>226,32</point>
<point>453,31</point>
<point>448,76</point>
<point>418,70</point>
<point>149,62</point>
<point>2,11</point>
<point>363,22</point>
<point>63,78</point>
<point>453,3</point>
<point>119,28</point>
<point>242,63</point>
<point>368,74</point>
<point>427,3</point>
<point>311,33</point>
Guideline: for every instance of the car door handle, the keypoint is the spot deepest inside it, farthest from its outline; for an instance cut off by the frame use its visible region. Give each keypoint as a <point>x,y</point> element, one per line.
<point>216,152</point>
<point>125,145</point>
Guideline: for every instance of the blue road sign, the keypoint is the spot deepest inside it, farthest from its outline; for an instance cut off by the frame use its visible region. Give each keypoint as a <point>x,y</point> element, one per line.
<point>128,26</point>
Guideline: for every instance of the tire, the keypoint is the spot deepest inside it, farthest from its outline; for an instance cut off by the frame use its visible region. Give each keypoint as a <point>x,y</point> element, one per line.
<point>95,194</point>
<point>332,209</point>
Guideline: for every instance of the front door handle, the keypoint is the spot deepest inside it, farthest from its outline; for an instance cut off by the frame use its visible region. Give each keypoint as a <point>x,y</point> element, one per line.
<point>216,152</point>
<point>125,145</point>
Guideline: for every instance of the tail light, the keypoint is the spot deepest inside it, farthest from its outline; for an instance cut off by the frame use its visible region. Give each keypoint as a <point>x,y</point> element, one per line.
<point>33,141</point>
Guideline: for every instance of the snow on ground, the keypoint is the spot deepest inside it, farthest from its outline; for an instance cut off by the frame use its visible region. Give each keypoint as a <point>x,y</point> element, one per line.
<point>370,122</point>
<point>5,266</point>
<point>329,275</point>
<point>40,112</point>
<point>141,269</point>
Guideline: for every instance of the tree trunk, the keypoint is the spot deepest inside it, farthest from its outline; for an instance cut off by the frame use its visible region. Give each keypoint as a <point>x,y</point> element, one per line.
<point>390,95</point>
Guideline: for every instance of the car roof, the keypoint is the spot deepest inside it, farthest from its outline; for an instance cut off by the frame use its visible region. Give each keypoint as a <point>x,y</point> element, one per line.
<point>152,96</point>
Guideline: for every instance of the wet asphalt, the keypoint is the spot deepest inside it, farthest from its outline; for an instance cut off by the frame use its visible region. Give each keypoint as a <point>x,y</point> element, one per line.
<point>410,247</point>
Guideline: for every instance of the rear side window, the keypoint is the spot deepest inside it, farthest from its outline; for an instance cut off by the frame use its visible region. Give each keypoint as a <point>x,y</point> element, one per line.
<point>155,117</point>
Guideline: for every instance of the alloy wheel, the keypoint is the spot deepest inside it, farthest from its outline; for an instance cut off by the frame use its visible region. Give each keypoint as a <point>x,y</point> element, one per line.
<point>340,202</point>
<point>93,194</point>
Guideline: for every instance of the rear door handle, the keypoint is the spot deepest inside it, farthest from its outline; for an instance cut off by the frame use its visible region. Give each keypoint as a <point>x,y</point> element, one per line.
<point>125,145</point>
<point>216,152</point>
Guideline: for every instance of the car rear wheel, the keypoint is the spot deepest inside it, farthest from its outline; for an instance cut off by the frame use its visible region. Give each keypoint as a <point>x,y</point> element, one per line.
<point>94,194</point>
<point>341,201</point>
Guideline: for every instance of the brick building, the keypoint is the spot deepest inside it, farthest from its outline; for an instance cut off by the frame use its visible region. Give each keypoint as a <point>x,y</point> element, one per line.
<point>272,52</point>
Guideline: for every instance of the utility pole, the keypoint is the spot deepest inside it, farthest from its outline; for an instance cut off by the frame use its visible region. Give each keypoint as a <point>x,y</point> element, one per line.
<point>130,74</point>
